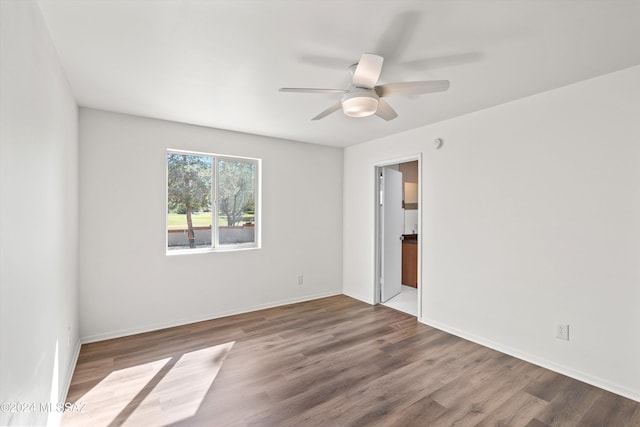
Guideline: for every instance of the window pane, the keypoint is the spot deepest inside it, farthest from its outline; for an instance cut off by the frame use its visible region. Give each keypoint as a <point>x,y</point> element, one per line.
<point>188,201</point>
<point>236,201</point>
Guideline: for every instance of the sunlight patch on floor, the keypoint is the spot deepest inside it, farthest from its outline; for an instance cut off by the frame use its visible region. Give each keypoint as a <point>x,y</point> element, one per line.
<point>111,395</point>
<point>180,392</point>
<point>161,392</point>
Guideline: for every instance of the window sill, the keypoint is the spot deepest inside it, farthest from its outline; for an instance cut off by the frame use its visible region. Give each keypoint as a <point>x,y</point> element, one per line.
<point>235,248</point>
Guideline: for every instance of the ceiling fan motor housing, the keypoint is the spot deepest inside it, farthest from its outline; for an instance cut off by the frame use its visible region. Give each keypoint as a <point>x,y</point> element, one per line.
<point>360,102</point>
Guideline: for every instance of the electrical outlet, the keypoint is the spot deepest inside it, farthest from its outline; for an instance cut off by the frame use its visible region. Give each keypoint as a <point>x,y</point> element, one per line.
<point>300,279</point>
<point>562,332</point>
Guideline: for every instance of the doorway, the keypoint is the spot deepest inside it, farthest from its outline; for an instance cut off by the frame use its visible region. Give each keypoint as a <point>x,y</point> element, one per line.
<point>397,234</point>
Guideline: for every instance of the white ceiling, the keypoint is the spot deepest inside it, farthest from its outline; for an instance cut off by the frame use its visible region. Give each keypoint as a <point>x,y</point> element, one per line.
<point>220,63</point>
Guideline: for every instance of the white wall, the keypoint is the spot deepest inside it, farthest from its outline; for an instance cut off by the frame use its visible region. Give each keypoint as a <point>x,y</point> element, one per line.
<point>132,286</point>
<point>38,217</point>
<point>531,217</point>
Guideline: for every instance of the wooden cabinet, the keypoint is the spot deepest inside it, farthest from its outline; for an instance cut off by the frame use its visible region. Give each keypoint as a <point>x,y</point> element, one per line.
<point>410,260</point>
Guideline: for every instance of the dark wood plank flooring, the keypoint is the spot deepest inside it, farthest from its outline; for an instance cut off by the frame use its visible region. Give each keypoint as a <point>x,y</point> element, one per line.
<point>329,362</point>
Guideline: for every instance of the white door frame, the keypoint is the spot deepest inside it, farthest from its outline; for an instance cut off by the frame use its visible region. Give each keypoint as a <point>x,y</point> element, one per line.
<point>378,226</point>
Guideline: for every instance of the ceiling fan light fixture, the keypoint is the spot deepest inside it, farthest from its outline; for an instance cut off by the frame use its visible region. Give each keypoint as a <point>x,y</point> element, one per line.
<point>360,103</point>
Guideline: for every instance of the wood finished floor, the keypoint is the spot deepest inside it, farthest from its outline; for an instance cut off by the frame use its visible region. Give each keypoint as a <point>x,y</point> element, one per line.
<point>329,362</point>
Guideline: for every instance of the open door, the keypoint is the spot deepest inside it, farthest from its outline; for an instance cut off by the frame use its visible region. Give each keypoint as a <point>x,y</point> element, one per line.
<point>392,228</point>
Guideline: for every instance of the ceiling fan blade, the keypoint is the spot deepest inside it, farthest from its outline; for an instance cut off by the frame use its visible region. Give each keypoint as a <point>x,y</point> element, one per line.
<point>398,34</point>
<point>325,61</point>
<point>310,90</point>
<point>412,88</point>
<point>451,60</point>
<point>385,111</point>
<point>368,70</point>
<point>328,111</point>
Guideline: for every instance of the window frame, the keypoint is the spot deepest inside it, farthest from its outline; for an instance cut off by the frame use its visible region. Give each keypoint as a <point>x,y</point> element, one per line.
<point>215,233</point>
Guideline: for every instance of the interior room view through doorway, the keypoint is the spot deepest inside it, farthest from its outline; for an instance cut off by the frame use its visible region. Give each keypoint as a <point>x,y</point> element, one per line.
<point>397,235</point>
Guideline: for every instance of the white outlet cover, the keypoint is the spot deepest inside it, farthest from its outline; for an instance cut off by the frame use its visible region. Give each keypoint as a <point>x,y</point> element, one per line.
<point>562,332</point>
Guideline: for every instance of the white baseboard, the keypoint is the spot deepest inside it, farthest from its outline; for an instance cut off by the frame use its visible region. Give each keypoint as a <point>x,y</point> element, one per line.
<point>70,371</point>
<point>564,370</point>
<point>186,321</point>
<point>54,418</point>
<point>358,297</point>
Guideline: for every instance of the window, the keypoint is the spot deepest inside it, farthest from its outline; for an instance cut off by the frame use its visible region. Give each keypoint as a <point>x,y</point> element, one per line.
<point>212,202</point>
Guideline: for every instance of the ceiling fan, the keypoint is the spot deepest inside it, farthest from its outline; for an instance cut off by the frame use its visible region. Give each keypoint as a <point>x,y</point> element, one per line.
<point>363,98</point>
